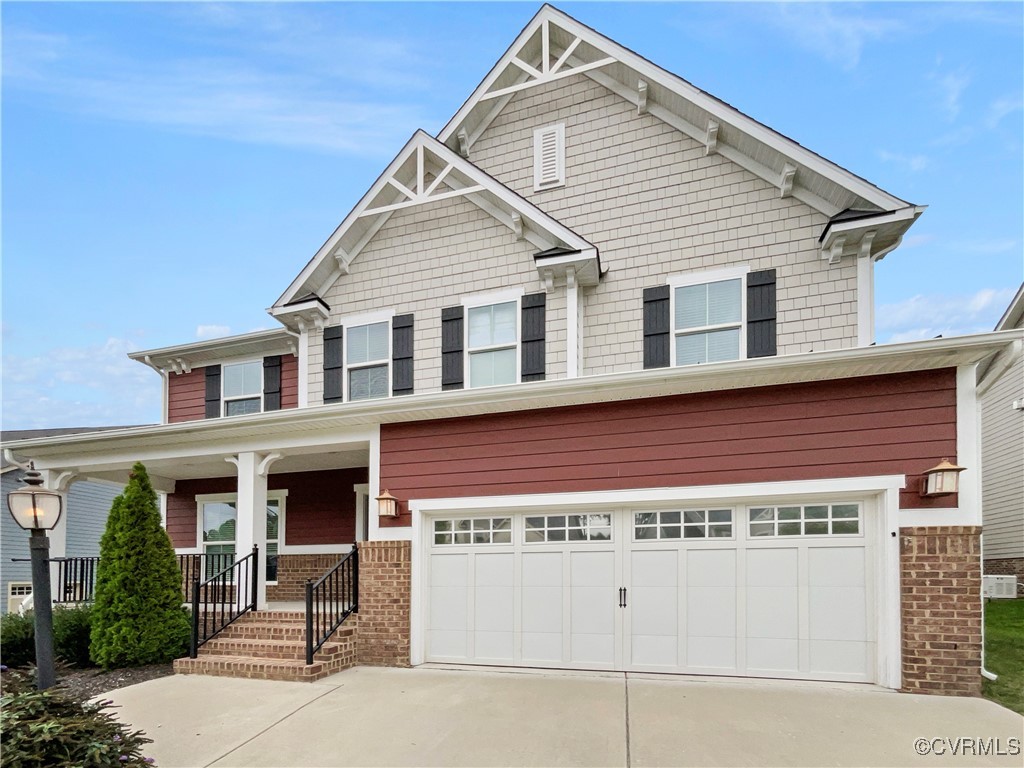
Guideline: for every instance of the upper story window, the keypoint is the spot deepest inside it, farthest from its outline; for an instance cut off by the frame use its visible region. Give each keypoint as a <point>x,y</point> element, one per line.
<point>549,157</point>
<point>367,357</point>
<point>493,346</point>
<point>242,388</point>
<point>708,322</point>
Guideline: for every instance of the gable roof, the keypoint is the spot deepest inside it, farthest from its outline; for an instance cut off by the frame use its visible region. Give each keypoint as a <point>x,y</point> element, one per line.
<point>554,46</point>
<point>426,171</point>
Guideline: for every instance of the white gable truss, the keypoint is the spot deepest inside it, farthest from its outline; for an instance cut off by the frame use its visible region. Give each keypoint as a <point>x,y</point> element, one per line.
<point>426,171</point>
<point>554,46</point>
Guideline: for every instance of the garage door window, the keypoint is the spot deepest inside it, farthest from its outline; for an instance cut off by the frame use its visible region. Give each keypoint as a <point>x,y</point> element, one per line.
<point>553,528</point>
<point>684,524</point>
<point>809,520</point>
<point>489,530</point>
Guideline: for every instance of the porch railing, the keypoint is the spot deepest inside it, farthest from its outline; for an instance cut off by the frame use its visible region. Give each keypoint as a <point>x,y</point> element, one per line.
<point>76,576</point>
<point>330,600</point>
<point>223,598</point>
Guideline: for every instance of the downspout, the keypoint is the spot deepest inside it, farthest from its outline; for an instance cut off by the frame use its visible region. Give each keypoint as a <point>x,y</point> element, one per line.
<point>981,551</point>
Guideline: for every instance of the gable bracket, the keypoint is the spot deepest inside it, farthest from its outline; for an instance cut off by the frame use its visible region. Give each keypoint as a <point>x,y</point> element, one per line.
<point>786,180</point>
<point>641,98</point>
<point>711,138</point>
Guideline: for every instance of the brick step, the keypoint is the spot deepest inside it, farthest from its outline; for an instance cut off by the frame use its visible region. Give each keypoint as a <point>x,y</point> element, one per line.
<point>277,632</point>
<point>260,669</point>
<point>270,649</point>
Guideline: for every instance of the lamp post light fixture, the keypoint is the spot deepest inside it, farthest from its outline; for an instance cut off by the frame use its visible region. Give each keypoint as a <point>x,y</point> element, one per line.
<point>942,480</point>
<point>38,510</point>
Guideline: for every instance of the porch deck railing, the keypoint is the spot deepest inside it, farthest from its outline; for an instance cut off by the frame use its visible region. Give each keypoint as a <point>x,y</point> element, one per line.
<point>223,598</point>
<point>330,600</point>
<point>76,576</point>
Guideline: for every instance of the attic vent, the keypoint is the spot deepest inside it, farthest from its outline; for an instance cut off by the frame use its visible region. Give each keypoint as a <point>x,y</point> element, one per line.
<point>549,157</point>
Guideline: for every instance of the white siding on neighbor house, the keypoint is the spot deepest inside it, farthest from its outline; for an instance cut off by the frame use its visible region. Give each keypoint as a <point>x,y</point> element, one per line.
<point>1002,465</point>
<point>426,258</point>
<point>88,505</point>
<point>656,205</point>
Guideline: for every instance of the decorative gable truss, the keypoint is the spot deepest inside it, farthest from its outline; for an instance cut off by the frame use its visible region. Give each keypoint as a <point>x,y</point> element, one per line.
<point>554,46</point>
<point>424,172</point>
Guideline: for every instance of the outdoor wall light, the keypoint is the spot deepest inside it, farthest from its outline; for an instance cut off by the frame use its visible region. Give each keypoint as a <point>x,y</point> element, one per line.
<point>37,510</point>
<point>942,480</point>
<point>387,505</point>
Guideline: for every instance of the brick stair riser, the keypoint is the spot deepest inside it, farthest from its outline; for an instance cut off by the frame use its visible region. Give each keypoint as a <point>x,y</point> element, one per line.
<point>262,669</point>
<point>263,632</point>
<point>242,648</point>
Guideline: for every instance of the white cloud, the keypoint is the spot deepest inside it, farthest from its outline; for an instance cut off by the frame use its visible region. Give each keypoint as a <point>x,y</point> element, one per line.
<point>212,331</point>
<point>838,36</point>
<point>925,317</point>
<point>912,163</point>
<point>1001,108</point>
<point>951,90</point>
<point>83,387</point>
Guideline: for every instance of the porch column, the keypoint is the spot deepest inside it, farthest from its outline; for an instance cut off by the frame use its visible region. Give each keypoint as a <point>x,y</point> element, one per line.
<point>251,523</point>
<point>58,481</point>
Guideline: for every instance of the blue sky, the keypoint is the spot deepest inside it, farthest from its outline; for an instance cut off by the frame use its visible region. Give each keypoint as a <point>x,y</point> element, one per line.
<point>169,167</point>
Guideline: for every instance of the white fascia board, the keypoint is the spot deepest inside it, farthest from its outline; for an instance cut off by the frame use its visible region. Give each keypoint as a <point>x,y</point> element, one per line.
<point>720,111</point>
<point>788,490</point>
<point>893,221</point>
<point>331,425</point>
<point>502,194</point>
<point>275,341</point>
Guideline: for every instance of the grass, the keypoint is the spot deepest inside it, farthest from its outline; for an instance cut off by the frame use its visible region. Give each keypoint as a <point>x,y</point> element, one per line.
<point>1004,652</point>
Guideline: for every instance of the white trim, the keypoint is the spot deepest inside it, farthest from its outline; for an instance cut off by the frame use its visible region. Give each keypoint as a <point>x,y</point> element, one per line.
<point>362,492</point>
<point>707,276</point>
<point>888,624</point>
<point>688,494</point>
<point>968,442</point>
<point>303,367</point>
<point>224,400</point>
<point>865,301</point>
<point>358,321</point>
<point>420,546</point>
<point>313,549</point>
<point>491,297</point>
<point>366,318</point>
<point>162,498</point>
<point>573,311</point>
<point>280,496</point>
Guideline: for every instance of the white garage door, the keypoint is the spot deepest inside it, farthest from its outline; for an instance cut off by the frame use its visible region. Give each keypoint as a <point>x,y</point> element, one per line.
<point>764,590</point>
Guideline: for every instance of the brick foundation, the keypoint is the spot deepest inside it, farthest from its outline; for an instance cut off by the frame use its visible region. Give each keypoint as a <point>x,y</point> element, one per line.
<point>1007,566</point>
<point>941,613</point>
<point>292,572</point>
<point>385,586</point>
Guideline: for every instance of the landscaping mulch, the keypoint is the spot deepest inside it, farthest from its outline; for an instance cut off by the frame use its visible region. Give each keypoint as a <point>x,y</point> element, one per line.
<point>93,681</point>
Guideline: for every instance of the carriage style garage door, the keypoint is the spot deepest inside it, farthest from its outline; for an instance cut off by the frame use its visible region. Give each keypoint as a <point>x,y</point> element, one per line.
<point>773,590</point>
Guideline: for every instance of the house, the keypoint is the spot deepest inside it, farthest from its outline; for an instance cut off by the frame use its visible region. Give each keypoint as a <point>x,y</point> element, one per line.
<point>607,344</point>
<point>1001,396</point>
<point>78,536</point>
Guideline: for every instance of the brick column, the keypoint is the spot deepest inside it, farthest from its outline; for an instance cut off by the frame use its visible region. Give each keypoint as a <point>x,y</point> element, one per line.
<point>941,614</point>
<point>385,584</point>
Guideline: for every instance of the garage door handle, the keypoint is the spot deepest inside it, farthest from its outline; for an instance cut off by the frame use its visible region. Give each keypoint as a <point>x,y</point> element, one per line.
<point>622,597</point>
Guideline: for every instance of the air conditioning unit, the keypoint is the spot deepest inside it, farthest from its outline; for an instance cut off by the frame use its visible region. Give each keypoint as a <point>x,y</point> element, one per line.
<point>999,587</point>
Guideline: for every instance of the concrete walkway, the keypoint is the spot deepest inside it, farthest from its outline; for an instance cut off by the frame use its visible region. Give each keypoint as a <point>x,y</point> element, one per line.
<point>439,717</point>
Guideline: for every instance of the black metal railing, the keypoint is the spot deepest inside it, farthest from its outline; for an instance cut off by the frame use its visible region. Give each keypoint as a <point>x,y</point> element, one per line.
<point>224,597</point>
<point>76,579</point>
<point>330,600</point>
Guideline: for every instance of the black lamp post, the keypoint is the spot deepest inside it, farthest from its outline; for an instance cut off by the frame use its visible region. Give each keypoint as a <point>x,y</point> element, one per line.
<point>38,510</point>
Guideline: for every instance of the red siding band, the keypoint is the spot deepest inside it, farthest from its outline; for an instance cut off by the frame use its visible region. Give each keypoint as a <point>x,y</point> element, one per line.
<point>879,425</point>
<point>186,392</point>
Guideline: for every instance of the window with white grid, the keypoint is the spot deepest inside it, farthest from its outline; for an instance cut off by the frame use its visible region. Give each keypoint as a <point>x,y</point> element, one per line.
<point>556,528</point>
<point>806,520</point>
<point>683,524</point>
<point>480,530</point>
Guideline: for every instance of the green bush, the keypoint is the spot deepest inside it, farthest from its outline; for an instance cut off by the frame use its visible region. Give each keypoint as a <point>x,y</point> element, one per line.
<point>137,617</point>
<point>17,640</point>
<point>71,625</point>
<point>47,728</point>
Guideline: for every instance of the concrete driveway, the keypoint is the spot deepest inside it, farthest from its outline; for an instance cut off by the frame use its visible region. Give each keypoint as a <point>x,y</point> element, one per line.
<point>440,717</point>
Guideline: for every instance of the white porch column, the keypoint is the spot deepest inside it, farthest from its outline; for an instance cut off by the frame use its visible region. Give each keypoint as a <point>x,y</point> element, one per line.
<point>251,521</point>
<point>57,481</point>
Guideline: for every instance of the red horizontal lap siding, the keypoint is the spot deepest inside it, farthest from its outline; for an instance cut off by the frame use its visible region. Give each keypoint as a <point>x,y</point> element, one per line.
<point>186,396</point>
<point>289,381</point>
<point>898,424</point>
<point>320,508</point>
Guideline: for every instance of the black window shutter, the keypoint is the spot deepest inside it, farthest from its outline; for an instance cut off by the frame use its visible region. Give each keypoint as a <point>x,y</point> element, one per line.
<point>761,314</point>
<point>212,391</point>
<point>657,327</point>
<point>533,337</point>
<point>451,348</point>
<point>401,355</point>
<point>272,383</point>
<point>334,364</point>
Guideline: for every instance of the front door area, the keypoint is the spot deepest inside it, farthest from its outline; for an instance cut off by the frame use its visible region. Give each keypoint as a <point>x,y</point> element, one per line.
<point>758,590</point>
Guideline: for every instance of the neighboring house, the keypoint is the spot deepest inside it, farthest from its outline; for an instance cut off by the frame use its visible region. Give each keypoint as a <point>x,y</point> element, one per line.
<point>609,342</point>
<point>78,534</point>
<point>1001,392</point>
